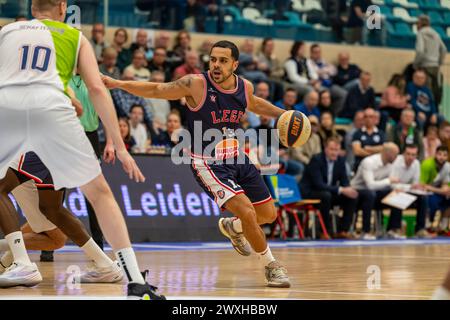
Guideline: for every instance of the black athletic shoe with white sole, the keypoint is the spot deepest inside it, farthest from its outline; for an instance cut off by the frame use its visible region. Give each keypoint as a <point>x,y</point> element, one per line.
<point>144,292</point>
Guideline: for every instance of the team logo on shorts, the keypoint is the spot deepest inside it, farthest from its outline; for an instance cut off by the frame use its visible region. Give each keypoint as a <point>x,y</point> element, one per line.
<point>221,194</point>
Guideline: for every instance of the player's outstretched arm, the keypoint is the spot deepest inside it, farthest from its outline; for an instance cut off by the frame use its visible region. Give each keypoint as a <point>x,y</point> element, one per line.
<point>175,90</point>
<point>261,106</point>
<point>103,104</point>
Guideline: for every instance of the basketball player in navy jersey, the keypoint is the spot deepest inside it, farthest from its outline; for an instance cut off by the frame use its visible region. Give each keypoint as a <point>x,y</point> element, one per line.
<point>218,99</point>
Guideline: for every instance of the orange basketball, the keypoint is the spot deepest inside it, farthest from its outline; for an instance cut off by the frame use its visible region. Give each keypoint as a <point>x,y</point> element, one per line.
<point>294,128</point>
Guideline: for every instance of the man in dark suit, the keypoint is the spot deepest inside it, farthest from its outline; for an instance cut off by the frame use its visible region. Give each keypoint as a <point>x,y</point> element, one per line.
<point>325,178</point>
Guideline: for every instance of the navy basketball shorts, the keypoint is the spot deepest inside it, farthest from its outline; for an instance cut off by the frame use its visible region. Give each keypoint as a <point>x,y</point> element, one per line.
<point>30,167</point>
<point>224,181</point>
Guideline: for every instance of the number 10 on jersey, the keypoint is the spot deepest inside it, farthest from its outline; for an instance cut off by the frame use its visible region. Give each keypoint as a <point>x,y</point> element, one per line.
<point>40,58</point>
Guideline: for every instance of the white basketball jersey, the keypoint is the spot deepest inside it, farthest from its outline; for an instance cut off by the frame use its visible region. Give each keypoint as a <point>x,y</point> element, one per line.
<point>43,52</point>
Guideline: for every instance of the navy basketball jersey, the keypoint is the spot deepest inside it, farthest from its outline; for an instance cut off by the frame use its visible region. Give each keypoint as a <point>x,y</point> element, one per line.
<point>219,109</point>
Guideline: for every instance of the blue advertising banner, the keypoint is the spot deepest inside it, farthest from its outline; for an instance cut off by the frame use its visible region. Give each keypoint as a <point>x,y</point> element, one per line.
<point>168,206</point>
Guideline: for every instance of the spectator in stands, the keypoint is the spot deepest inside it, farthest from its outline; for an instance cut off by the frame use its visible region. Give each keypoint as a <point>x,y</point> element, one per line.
<point>159,63</point>
<point>406,133</point>
<point>249,67</point>
<point>124,126</point>
<point>431,141</point>
<point>124,55</point>
<point>359,97</point>
<point>266,57</point>
<point>123,101</point>
<point>368,140</point>
<point>299,72</point>
<point>347,73</point>
<point>309,105</point>
<point>421,99</point>
<point>433,174</point>
<point>159,108</point>
<point>138,130</point>
<point>195,16</point>
<point>394,99</point>
<point>162,40</point>
<point>262,90</point>
<point>289,101</point>
<point>373,181</point>
<point>168,137</point>
<point>142,45</point>
<point>406,168</point>
<point>98,41</point>
<point>204,51</point>
<point>430,54</point>
<point>325,178</point>
<point>356,19</point>
<point>108,66</point>
<point>444,134</point>
<point>325,101</point>
<point>326,72</point>
<point>138,66</point>
<point>328,130</point>
<point>182,45</point>
<point>190,66</point>
<point>313,146</point>
<point>336,11</point>
<point>358,123</point>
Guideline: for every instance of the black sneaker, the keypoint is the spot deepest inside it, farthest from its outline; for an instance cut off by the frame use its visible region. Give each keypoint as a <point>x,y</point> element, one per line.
<point>144,292</point>
<point>47,256</point>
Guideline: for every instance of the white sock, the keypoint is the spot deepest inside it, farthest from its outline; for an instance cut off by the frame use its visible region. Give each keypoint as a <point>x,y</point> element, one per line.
<point>441,293</point>
<point>237,225</point>
<point>129,264</point>
<point>7,259</point>
<point>17,246</point>
<point>4,246</point>
<point>93,251</point>
<point>444,223</point>
<point>266,256</point>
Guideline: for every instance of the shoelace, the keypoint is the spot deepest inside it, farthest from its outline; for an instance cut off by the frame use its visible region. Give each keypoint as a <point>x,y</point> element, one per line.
<point>12,266</point>
<point>279,272</point>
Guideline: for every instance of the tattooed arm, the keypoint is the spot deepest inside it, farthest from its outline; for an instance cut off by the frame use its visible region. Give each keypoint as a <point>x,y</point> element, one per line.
<point>176,90</point>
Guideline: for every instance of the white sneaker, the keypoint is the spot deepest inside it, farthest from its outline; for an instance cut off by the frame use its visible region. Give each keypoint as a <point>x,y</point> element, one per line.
<point>19,274</point>
<point>240,244</point>
<point>276,276</point>
<point>395,235</point>
<point>368,236</point>
<point>95,274</point>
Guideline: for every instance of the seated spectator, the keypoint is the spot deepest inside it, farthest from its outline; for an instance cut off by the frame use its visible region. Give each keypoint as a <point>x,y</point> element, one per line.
<point>138,130</point>
<point>325,101</point>
<point>98,41</point>
<point>108,66</point>
<point>327,129</point>
<point>182,45</point>
<point>195,16</point>
<point>262,90</point>
<point>444,134</point>
<point>406,132</point>
<point>159,108</point>
<point>326,72</point>
<point>299,72</point>
<point>124,126</point>
<point>190,66</point>
<point>422,100</point>
<point>138,67</point>
<point>309,105</point>
<point>356,19</point>
<point>162,40</point>
<point>359,97</point>
<point>406,169</point>
<point>249,67</point>
<point>358,123</point>
<point>124,55</point>
<point>123,100</point>
<point>431,141</point>
<point>267,57</point>
<point>204,51</point>
<point>141,44</point>
<point>373,181</point>
<point>325,178</point>
<point>313,146</point>
<point>347,73</point>
<point>368,140</point>
<point>289,101</point>
<point>394,99</point>
<point>159,63</point>
<point>168,137</point>
<point>433,174</point>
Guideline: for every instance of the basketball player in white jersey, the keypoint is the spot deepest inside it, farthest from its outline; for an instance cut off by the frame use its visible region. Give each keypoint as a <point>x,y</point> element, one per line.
<point>37,59</point>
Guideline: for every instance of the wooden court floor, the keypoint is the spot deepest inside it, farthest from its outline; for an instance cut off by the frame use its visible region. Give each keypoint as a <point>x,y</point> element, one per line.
<point>406,272</point>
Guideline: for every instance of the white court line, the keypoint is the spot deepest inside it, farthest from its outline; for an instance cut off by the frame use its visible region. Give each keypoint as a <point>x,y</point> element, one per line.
<point>367,255</point>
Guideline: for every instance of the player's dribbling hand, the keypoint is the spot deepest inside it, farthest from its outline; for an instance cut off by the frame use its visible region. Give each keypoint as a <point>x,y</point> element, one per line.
<point>109,155</point>
<point>130,166</point>
<point>109,82</point>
